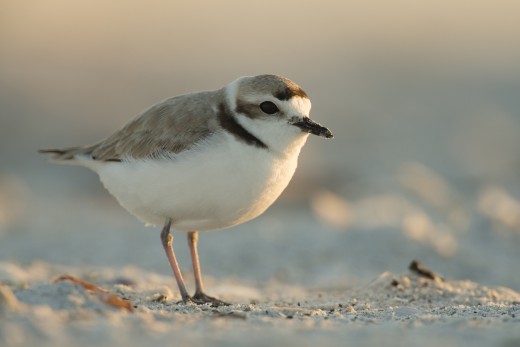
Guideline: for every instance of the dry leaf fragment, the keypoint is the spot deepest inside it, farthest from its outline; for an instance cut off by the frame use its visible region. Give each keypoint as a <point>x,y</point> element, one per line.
<point>102,294</point>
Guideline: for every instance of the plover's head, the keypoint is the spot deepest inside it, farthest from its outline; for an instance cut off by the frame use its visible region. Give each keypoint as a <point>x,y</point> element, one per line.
<point>272,108</point>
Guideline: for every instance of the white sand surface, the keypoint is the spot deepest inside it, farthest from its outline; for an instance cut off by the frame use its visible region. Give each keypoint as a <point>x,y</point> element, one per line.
<point>334,272</point>
<point>393,309</point>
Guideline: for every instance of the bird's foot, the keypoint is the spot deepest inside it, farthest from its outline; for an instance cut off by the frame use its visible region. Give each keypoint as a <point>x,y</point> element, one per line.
<point>184,301</point>
<point>201,298</point>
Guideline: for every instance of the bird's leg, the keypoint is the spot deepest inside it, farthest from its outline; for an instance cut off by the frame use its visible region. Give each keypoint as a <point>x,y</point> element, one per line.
<point>167,240</point>
<point>200,297</point>
<point>193,238</point>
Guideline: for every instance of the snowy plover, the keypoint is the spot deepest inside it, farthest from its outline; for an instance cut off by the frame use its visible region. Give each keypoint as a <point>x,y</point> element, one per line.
<point>204,161</point>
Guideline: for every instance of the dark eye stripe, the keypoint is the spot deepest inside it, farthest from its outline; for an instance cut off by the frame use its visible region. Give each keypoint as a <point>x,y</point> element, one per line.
<point>268,107</point>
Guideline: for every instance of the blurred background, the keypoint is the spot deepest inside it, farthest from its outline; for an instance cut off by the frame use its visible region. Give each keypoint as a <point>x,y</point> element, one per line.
<point>423,98</point>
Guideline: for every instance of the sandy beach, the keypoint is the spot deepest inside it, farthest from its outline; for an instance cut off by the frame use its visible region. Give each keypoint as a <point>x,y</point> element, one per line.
<point>393,309</point>
<point>317,285</point>
<point>422,99</point>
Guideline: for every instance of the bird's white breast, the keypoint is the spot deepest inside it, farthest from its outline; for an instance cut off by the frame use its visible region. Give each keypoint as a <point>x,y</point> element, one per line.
<point>221,183</point>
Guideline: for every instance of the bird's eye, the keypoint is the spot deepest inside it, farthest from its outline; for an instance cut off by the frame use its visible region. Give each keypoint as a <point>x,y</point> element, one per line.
<point>268,107</point>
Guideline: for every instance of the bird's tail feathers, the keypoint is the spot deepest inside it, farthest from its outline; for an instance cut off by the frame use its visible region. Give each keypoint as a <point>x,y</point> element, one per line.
<point>66,154</point>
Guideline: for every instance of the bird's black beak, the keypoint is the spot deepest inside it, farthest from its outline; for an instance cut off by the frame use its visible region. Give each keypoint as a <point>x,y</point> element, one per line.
<point>310,126</point>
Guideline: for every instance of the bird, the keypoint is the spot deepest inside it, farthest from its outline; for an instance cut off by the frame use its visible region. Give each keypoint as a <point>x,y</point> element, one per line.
<point>203,161</point>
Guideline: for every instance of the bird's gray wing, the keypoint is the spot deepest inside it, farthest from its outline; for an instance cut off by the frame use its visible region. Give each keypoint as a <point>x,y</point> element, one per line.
<point>169,127</point>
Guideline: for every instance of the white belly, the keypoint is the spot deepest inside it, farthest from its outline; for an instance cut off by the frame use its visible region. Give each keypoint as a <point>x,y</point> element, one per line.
<point>221,184</point>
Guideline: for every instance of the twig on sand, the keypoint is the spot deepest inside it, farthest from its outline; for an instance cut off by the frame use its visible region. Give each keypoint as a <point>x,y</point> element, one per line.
<point>421,270</point>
